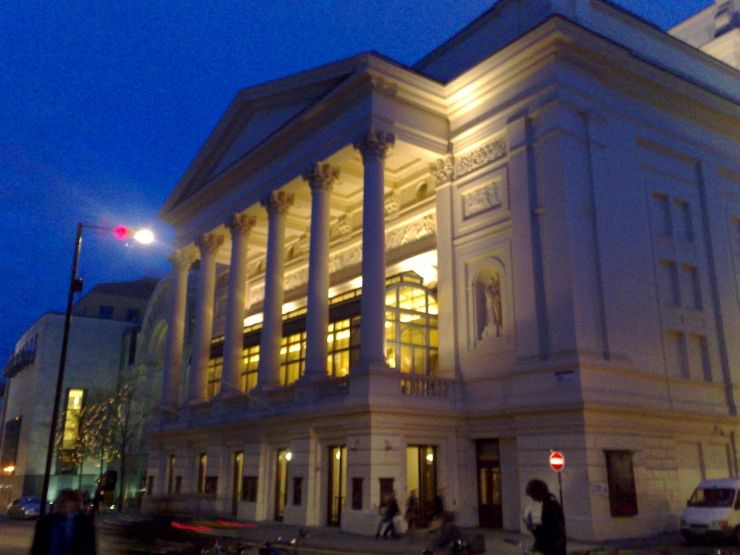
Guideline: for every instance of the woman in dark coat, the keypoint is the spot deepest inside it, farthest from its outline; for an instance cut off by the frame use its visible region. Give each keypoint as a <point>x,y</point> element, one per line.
<point>65,531</point>
<point>549,536</point>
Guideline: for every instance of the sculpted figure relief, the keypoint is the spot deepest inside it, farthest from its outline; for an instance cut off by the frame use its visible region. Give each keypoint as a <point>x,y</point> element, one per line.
<point>494,312</point>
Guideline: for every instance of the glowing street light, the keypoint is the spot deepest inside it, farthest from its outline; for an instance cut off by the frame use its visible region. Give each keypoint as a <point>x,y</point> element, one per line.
<point>143,236</point>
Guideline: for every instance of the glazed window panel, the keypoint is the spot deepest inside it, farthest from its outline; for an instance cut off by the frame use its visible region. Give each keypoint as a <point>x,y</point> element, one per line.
<point>341,349</point>
<point>250,365</point>
<point>292,357</point>
<point>411,334</point>
<point>215,367</point>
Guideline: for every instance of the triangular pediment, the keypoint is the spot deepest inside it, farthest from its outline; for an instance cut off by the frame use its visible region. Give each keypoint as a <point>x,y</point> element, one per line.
<point>255,115</point>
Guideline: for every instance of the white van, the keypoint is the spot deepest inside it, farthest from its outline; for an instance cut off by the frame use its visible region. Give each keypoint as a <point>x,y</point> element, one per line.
<point>713,510</point>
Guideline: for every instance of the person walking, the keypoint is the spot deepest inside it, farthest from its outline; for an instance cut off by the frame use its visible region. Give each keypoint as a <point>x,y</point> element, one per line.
<point>65,531</point>
<point>388,510</point>
<point>412,514</point>
<point>549,536</point>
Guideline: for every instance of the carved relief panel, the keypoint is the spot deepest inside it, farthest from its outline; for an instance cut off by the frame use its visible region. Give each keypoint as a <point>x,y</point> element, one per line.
<point>482,201</point>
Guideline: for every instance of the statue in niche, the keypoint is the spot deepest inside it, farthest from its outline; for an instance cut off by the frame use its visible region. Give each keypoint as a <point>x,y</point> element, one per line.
<point>494,313</point>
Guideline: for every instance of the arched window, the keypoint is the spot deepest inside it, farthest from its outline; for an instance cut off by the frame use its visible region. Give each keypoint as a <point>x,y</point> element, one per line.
<point>411,325</point>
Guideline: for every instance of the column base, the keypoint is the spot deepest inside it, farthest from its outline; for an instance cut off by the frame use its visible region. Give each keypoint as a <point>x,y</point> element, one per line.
<point>371,367</point>
<point>312,378</point>
<point>376,382</point>
<point>227,395</point>
<point>196,402</point>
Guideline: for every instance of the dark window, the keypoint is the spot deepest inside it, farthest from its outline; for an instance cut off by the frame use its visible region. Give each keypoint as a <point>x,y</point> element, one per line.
<point>105,312</point>
<point>297,490</point>
<point>132,314</point>
<point>386,486</point>
<point>10,445</point>
<point>356,494</point>
<point>249,489</point>
<point>150,485</point>
<point>202,463</point>
<point>178,484</point>
<point>171,475</point>
<point>132,347</point>
<point>621,476</point>
<point>211,485</point>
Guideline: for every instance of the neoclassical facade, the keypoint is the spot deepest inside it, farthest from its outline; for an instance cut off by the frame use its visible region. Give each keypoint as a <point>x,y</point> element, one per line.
<point>425,278</point>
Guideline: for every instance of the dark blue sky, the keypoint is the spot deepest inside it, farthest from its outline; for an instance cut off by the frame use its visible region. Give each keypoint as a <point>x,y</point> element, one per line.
<point>104,104</point>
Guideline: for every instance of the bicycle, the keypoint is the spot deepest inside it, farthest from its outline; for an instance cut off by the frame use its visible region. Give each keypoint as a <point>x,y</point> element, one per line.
<point>283,547</point>
<point>518,543</point>
<point>226,546</point>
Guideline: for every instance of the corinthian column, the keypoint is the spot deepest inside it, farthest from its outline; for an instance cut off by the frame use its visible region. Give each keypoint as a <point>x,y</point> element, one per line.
<point>208,245</point>
<point>276,204</point>
<point>181,262</point>
<point>320,178</point>
<point>373,148</point>
<point>239,226</point>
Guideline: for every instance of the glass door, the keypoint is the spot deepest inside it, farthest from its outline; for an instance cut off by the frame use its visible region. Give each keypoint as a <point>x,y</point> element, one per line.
<point>421,478</point>
<point>281,483</point>
<point>490,509</point>
<point>236,488</point>
<point>337,484</point>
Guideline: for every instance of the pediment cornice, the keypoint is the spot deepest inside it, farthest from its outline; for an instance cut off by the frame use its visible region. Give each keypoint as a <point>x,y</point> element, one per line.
<point>349,86</point>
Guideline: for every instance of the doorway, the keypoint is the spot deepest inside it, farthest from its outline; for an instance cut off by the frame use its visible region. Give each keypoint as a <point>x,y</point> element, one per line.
<point>236,488</point>
<point>488,463</point>
<point>337,483</point>
<point>281,483</point>
<point>421,477</point>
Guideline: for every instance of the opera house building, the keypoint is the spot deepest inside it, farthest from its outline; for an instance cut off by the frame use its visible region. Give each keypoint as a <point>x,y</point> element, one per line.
<point>426,278</point>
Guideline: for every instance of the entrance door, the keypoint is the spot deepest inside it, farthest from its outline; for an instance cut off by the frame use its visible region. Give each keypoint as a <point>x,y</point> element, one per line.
<point>421,477</point>
<point>236,488</point>
<point>337,484</point>
<point>488,462</point>
<point>281,483</point>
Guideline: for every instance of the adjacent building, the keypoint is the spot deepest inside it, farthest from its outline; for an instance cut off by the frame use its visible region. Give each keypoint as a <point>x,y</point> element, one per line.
<point>102,344</point>
<point>426,278</point>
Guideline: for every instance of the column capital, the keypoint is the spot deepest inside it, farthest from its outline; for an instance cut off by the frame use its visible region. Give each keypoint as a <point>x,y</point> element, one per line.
<point>277,202</point>
<point>241,224</point>
<point>182,259</point>
<point>375,144</point>
<point>209,243</point>
<point>321,176</point>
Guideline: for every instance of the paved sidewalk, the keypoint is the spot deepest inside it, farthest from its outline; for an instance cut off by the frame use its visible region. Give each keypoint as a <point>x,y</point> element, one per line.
<point>334,541</point>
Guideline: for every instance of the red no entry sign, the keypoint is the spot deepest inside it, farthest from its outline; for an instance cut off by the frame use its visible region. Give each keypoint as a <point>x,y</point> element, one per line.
<point>557,461</point>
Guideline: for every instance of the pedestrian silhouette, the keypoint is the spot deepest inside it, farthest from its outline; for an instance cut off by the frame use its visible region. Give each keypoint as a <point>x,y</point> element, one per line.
<point>66,530</point>
<point>549,536</point>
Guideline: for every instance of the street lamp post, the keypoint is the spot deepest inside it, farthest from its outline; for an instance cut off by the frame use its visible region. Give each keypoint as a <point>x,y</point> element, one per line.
<point>75,286</point>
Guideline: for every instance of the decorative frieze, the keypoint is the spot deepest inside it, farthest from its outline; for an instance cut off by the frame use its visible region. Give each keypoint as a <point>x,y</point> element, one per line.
<point>344,225</point>
<point>397,237</point>
<point>392,204</point>
<point>481,199</point>
<point>448,168</point>
<point>486,154</point>
<point>345,258</point>
<point>411,232</point>
<point>443,170</point>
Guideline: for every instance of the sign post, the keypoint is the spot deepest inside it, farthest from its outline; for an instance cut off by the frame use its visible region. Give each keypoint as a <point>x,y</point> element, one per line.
<point>557,464</point>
